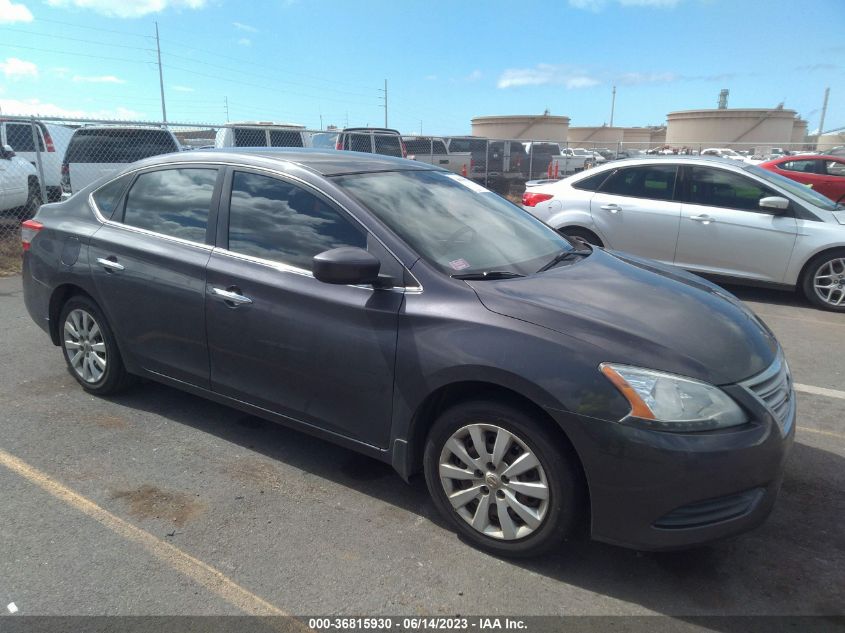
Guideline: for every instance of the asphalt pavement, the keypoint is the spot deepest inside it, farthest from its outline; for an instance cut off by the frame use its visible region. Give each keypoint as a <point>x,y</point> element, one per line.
<point>157,502</point>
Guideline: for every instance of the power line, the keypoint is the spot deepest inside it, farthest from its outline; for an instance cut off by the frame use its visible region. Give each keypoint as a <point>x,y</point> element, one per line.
<point>52,50</point>
<point>95,28</point>
<point>75,39</point>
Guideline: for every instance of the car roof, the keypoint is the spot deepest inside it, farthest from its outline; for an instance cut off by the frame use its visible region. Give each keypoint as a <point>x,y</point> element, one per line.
<point>325,162</point>
<point>671,158</point>
<point>372,129</point>
<point>793,157</point>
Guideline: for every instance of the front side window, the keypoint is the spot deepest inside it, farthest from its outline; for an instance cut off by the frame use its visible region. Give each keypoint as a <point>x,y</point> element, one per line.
<point>800,191</point>
<point>454,224</point>
<point>276,220</point>
<point>835,168</point>
<point>173,202</point>
<point>805,166</point>
<point>656,182</point>
<point>720,188</point>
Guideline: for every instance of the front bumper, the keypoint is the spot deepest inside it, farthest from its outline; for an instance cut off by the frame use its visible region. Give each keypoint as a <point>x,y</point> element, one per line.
<point>652,490</point>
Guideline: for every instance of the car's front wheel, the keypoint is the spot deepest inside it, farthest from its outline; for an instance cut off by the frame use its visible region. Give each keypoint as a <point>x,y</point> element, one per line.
<point>504,480</point>
<point>824,280</point>
<point>89,347</point>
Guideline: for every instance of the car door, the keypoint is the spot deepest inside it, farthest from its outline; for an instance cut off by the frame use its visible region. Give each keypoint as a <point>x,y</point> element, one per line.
<point>148,263</point>
<point>280,339</point>
<point>834,185</point>
<point>635,209</point>
<point>724,231</point>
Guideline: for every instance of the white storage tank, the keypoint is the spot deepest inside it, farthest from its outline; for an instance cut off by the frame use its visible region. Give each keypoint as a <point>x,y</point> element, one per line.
<point>523,127</point>
<point>736,127</point>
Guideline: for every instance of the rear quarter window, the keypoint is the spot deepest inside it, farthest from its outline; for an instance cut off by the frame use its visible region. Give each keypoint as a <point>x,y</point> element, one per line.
<point>250,137</point>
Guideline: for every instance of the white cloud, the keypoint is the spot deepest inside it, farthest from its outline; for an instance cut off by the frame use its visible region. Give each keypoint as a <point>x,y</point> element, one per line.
<point>545,75</point>
<point>598,5</point>
<point>98,79</point>
<point>245,41</point>
<point>128,8</point>
<point>10,12</point>
<point>29,107</point>
<point>178,88</point>
<point>14,68</point>
<point>244,27</point>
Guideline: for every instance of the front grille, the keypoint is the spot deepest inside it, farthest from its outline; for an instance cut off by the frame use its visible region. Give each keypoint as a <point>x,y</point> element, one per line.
<point>773,388</point>
<point>710,511</point>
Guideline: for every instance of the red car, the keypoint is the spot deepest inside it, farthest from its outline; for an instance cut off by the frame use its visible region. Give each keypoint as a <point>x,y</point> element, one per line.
<point>826,174</point>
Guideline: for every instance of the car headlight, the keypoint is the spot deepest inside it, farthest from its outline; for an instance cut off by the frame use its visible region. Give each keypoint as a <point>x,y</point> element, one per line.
<point>673,403</point>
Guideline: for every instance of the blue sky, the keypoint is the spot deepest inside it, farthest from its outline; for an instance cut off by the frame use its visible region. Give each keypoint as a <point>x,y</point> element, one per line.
<point>445,62</point>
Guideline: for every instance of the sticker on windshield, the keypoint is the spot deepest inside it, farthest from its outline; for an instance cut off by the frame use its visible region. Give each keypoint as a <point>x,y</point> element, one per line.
<point>459,264</point>
<point>469,184</point>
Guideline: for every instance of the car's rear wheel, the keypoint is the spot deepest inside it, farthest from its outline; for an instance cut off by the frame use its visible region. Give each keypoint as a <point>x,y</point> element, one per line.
<point>33,200</point>
<point>506,482</point>
<point>824,280</point>
<point>578,233</point>
<point>89,347</point>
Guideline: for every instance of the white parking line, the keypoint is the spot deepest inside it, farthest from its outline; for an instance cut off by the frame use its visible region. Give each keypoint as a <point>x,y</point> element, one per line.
<point>819,391</point>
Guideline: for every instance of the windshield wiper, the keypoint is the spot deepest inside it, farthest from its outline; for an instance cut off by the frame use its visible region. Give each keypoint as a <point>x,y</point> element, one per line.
<point>488,275</point>
<point>564,256</point>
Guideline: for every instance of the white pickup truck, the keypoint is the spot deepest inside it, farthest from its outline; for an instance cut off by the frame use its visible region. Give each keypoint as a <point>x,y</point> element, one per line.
<point>572,160</point>
<point>433,150</point>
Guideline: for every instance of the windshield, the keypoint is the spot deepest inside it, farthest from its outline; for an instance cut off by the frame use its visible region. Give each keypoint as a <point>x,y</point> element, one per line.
<point>795,188</point>
<point>455,224</point>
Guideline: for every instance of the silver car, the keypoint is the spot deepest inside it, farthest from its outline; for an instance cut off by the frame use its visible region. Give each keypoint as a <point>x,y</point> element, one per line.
<point>712,216</point>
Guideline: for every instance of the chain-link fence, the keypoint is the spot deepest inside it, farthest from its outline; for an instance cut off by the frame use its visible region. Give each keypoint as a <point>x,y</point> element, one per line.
<point>46,159</point>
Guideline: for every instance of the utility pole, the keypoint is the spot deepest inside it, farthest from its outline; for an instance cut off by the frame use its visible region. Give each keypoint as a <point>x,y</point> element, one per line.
<point>612,105</point>
<point>160,78</point>
<point>824,113</point>
<point>385,101</point>
<point>226,107</point>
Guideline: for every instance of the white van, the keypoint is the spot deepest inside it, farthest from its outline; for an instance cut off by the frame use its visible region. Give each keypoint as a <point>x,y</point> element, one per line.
<point>261,134</point>
<point>99,150</point>
<point>52,143</point>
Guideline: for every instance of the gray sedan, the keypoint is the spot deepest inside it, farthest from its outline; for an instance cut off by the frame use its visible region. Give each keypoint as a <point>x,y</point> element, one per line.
<point>716,217</point>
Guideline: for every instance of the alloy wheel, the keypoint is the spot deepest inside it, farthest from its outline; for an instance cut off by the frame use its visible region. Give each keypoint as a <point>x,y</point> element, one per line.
<point>85,346</point>
<point>829,282</point>
<point>494,481</point>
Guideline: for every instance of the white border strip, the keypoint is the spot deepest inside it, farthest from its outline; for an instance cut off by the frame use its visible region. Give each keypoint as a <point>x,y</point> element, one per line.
<point>819,391</point>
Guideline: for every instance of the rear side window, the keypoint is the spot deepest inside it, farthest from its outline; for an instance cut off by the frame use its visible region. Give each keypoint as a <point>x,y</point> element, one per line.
<point>19,136</point>
<point>173,202</point>
<point>592,183</point>
<point>358,142</point>
<point>835,168</point>
<point>107,196</point>
<point>285,138</point>
<point>459,145</point>
<point>250,137</point>
<point>656,182</point>
<point>388,144</point>
<point>720,188</point>
<point>118,145</point>
<point>276,220</point>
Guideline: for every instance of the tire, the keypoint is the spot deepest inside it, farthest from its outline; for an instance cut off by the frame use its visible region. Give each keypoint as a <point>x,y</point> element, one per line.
<point>826,268</point>
<point>578,233</point>
<point>84,330</point>
<point>552,519</point>
<point>33,200</point>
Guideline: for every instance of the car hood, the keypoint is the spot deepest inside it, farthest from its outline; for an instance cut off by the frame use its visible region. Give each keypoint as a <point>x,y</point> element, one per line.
<point>639,312</point>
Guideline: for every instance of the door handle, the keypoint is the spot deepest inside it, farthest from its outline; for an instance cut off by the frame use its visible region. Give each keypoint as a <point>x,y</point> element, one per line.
<point>703,218</point>
<point>110,263</point>
<point>613,208</point>
<point>231,296</point>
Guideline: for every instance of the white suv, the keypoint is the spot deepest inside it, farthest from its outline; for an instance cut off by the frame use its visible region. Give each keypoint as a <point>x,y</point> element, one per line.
<point>99,150</point>
<point>719,217</point>
<point>52,142</point>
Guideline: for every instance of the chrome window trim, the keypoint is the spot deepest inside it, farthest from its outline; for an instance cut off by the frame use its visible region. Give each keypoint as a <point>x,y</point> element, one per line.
<point>274,172</point>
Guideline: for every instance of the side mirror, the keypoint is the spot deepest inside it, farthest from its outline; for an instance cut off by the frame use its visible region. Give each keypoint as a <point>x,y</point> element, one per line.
<point>346,265</point>
<point>8,152</point>
<point>775,204</point>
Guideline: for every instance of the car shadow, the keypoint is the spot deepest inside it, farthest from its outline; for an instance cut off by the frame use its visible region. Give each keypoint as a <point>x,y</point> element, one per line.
<point>793,564</point>
<point>768,295</point>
